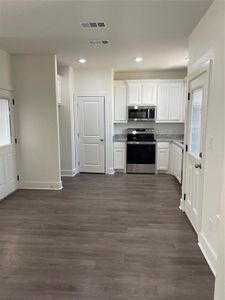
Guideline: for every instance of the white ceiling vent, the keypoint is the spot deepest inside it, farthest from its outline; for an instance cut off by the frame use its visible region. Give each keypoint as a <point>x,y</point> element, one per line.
<point>99,42</point>
<point>99,24</point>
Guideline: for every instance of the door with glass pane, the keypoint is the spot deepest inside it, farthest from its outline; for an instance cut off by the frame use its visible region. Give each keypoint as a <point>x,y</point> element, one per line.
<point>8,180</point>
<point>196,124</point>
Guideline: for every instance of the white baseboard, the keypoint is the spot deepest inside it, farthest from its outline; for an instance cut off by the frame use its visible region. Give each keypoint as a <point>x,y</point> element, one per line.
<point>208,252</point>
<point>110,171</point>
<point>69,173</point>
<point>181,207</point>
<point>40,185</point>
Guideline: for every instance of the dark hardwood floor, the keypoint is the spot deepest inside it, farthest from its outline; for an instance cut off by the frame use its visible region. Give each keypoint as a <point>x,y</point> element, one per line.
<point>102,237</point>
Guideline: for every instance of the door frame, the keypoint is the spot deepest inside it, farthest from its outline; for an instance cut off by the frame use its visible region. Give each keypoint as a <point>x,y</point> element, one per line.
<point>204,68</point>
<point>107,133</point>
<point>8,95</point>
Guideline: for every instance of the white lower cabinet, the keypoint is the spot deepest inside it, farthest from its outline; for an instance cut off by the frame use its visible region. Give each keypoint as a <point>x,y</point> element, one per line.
<point>170,159</point>
<point>120,156</point>
<point>176,161</point>
<point>163,152</point>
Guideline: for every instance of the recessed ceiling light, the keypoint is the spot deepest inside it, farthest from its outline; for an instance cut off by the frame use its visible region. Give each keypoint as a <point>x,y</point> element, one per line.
<point>82,60</point>
<point>138,59</point>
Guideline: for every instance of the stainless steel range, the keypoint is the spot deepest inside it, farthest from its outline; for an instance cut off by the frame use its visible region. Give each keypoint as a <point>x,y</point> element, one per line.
<point>141,150</point>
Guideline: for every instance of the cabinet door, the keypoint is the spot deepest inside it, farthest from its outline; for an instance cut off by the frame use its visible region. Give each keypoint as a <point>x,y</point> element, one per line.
<point>178,163</point>
<point>176,102</point>
<point>175,160</point>
<point>171,160</point>
<point>134,93</point>
<point>149,93</point>
<point>120,103</point>
<point>163,159</point>
<point>163,102</point>
<point>119,156</point>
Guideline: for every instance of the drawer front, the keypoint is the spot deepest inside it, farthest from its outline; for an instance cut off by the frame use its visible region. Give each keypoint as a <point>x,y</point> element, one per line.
<point>120,145</point>
<point>163,145</point>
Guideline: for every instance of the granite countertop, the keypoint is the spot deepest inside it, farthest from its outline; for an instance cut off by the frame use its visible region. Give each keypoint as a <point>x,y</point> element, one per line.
<point>177,139</point>
<point>179,143</point>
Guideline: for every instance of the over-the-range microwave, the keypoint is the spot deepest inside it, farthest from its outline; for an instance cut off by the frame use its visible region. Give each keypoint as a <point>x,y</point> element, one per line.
<point>141,113</point>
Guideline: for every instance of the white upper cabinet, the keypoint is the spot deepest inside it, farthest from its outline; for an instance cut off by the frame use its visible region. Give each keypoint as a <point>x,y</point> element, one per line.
<point>163,102</point>
<point>149,92</point>
<point>176,102</point>
<point>167,95</point>
<point>142,92</point>
<point>120,102</point>
<point>170,102</point>
<point>134,93</point>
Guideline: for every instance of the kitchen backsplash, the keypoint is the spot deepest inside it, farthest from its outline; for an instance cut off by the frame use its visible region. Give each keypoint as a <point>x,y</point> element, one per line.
<point>167,128</point>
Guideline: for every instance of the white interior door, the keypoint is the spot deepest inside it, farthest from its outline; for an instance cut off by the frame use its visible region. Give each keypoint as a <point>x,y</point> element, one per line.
<point>194,165</point>
<point>8,180</point>
<point>92,134</point>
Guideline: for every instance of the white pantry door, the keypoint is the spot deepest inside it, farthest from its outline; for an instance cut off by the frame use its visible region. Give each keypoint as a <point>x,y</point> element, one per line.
<point>92,134</point>
<point>194,165</point>
<point>8,178</point>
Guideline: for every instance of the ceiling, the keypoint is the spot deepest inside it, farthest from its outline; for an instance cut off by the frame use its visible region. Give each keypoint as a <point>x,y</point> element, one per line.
<point>154,29</point>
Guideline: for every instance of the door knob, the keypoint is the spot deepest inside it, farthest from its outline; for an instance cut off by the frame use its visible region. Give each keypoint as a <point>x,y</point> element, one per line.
<point>198,166</point>
<point>102,140</point>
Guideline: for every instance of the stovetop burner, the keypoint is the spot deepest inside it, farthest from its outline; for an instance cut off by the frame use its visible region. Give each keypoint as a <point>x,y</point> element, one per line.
<point>141,134</point>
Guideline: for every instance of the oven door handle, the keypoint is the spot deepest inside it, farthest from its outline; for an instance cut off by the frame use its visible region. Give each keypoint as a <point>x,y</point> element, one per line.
<point>141,143</point>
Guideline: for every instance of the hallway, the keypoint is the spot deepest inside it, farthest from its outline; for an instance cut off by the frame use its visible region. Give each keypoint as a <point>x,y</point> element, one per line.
<point>102,237</point>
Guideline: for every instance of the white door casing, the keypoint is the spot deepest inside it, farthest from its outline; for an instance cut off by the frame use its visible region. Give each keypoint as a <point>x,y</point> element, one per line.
<point>8,174</point>
<point>91,115</point>
<point>195,139</point>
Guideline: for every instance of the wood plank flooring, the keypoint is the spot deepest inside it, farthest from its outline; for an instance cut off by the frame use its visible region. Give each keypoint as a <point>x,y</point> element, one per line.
<point>102,237</point>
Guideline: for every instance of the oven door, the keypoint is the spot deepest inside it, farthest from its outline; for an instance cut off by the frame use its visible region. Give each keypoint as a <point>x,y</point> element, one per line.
<point>141,157</point>
<point>138,113</point>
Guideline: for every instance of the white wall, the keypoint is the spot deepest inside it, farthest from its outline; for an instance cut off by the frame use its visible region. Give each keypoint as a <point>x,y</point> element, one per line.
<point>207,42</point>
<point>99,81</point>
<point>66,122</point>
<point>175,74</point>
<point>37,121</point>
<point>5,71</point>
